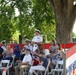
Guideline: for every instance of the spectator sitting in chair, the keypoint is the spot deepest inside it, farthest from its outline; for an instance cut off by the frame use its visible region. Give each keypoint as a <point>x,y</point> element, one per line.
<point>38,52</point>
<point>43,62</point>
<point>51,48</point>
<point>24,64</point>
<point>28,46</point>
<point>3,45</point>
<point>60,52</point>
<point>1,53</point>
<point>16,49</point>
<point>8,53</point>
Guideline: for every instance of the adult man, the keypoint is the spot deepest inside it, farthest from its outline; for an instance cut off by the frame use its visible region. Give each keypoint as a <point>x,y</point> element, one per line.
<point>1,53</point>
<point>3,45</point>
<point>24,64</point>
<point>26,46</point>
<point>17,51</point>
<point>37,39</point>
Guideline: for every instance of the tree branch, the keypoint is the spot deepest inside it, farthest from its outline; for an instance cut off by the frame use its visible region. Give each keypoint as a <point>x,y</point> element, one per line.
<point>52,4</point>
<point>70,6</point>
<point>65,2</point>
<point>74,10</point>
<point>58,6</point>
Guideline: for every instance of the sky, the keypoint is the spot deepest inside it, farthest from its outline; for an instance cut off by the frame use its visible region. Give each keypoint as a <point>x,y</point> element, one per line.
<point>74,28</point>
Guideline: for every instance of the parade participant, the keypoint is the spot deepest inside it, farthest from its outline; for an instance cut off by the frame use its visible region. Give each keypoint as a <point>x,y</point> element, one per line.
<point>37,39</point>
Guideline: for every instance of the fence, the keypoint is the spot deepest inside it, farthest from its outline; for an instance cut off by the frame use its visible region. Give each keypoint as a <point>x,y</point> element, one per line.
<point>47,45</point>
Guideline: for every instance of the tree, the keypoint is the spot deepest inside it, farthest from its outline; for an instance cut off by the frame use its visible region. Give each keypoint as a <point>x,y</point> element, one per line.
<point>33,14</point>
<point>43,18</point>
<point>65,14</point>
<point>6,24</point>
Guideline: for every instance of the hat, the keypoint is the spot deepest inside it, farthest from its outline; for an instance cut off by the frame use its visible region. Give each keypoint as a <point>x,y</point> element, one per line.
<point>37,30</point>
<point>27,40</point>
<point>3,41</point>
<point>27,49</point>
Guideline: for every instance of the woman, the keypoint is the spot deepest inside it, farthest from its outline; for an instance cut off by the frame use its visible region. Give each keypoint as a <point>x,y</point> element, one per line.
<point>60,52</point>
<point>53,45</point>
<point>56,55</point>
<point>36,53</point>
<point>8,53</point>
<point>43,62</point>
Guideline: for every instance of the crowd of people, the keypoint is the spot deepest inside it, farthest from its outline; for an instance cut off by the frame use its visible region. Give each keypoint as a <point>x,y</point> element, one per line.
<point>32,55</point>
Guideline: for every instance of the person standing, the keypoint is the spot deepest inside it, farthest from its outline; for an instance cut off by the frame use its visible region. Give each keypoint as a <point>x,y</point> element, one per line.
<point>37,39</point>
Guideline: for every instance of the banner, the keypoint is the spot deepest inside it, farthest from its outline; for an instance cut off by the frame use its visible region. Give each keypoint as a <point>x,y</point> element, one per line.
<point>71,61</point>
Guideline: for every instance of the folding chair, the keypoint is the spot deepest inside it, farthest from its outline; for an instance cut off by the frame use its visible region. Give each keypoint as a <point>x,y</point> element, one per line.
<point>26,72</point>
<point>58,68</point>
<point>46,70</point>
<point>12,63</point>
<point>5,64</point>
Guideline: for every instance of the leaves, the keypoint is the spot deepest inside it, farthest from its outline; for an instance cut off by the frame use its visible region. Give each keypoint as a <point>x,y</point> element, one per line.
<point>33,14</point>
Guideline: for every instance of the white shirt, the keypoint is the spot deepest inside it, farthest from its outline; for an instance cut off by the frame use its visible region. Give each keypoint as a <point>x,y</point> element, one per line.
<point>27,58</point>
<point>37,38</point>
<point>28,47</point>
<point>3,47</point>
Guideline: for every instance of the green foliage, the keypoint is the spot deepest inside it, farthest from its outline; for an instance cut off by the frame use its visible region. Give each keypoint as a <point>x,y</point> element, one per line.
<point>73,35</point>
<point>6,25</point>
<point>42,13</point>
<point>33,14</point>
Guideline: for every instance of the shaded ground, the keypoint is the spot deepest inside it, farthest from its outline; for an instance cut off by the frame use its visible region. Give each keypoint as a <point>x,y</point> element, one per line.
<point>12,72</point>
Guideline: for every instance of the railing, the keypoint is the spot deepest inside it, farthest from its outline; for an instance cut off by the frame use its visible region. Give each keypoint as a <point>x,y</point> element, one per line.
<point>47,45</point>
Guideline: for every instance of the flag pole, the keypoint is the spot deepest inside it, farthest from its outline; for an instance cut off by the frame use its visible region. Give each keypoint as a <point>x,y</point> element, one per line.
<point>64,60</point>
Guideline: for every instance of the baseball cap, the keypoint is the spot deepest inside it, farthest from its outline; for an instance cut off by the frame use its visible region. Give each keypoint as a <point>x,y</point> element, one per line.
<point>27,49</point>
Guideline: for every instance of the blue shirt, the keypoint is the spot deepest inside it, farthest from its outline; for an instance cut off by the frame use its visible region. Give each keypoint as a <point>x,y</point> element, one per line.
<point>16,51</point>
<point>45,62</point>
<point>1,50</point>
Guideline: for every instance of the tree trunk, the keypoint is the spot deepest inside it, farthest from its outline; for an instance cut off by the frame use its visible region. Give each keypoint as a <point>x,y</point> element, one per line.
<point>65,16</point>
<point>20,39</point>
